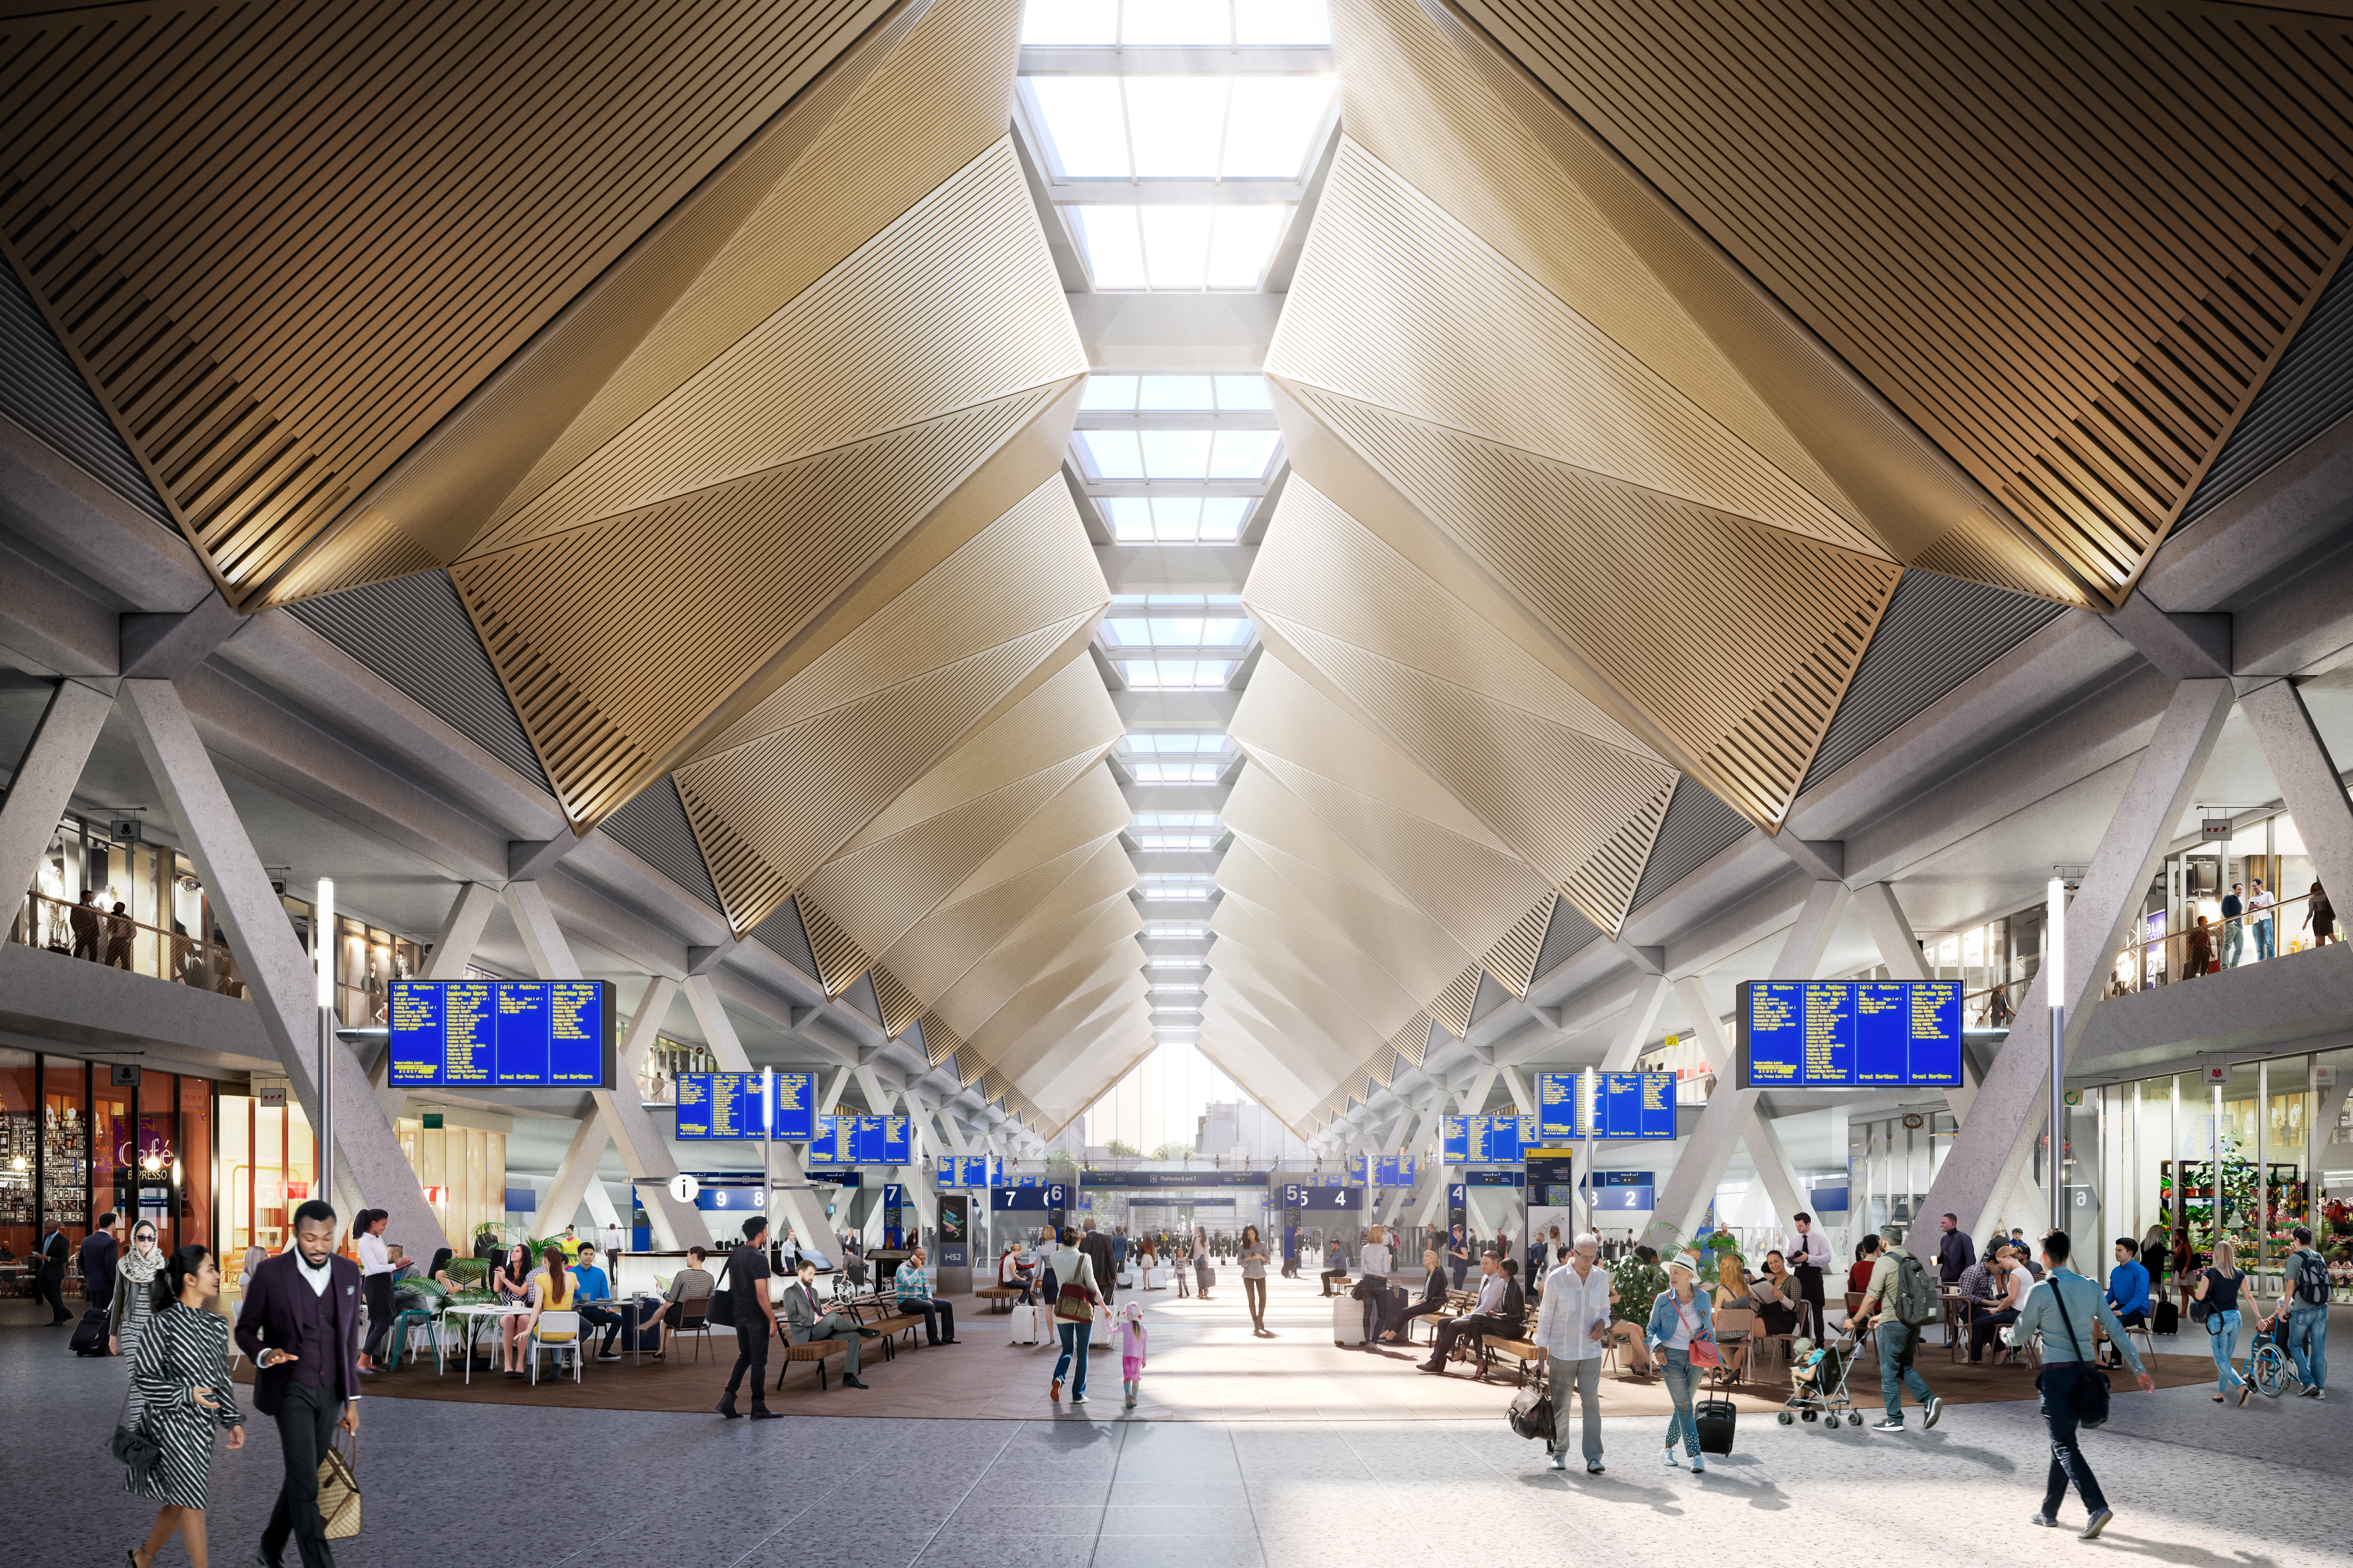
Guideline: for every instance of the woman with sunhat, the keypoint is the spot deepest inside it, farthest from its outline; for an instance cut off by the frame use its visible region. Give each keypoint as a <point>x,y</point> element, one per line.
<point>1679,1319</point>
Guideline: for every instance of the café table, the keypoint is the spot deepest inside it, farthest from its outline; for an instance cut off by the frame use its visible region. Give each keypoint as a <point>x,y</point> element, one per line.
<point>476,1314</point>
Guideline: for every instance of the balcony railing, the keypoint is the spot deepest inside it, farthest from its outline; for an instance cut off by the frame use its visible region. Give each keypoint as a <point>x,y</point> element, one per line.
<point>2148,963</point>
<point>119,942</point>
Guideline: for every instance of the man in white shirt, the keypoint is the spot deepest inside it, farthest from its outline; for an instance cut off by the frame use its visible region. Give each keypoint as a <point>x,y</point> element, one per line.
<point>1809,1252</point>
<point>2259,910</point>
<point>1578,1306</point>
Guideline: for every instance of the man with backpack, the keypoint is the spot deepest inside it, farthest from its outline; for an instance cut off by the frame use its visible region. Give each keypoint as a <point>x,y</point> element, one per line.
<point>1898,1304</point>
<point>2307,1273</point>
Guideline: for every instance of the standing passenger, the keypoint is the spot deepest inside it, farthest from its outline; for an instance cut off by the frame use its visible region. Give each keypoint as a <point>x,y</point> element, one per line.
<point>2066,1310</point>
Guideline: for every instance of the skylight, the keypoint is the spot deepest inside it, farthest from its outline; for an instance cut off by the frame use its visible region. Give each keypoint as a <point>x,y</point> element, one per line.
<point>1177,621</point>
<point>1107,24</point>
<point>1192,247</point>
<point>1173,887</point>
<point>1176,394</point>
<point>1180,457</point>
<point>1180,127</point>
<point>1173,742</point>
<point>1172,930</point>
<point>1179,961</point>
<point>1176,830</point>
<point>1175,520</point>
<point>1176,673</point>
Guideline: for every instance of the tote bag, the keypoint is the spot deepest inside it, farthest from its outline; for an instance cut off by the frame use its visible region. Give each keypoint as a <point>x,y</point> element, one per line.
<point>339,1489</point>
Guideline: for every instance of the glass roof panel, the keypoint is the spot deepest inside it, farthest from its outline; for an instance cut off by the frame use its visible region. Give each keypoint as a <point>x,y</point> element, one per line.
<point>1242,454</point>
<point>1176,22</point>
<point>1245,237</point>
<point>1176,245</point>
<point>1176,453</point>
<point>1085,122</point>
<point>1170,742</point>
<point>1118,393</point>
<point>1175,123</point>
<point>1112,454</point>
<point>1221,519</point>
<point>1072,22</point>
<point>1175,394</point>
<point>1270,23</point>
<point>1271,125</point>
<point>1113,246</point>
<point>1176,674</point>
<point>1243,392</point>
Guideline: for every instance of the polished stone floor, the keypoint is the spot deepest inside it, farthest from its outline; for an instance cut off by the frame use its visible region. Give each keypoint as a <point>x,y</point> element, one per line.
<point>2193,1484</point>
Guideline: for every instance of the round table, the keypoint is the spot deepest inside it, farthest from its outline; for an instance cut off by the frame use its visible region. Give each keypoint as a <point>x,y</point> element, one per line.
<point>476,1314</point>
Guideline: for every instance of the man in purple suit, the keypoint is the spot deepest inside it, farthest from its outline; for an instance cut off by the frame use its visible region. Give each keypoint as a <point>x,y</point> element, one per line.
<point>299,1325</point>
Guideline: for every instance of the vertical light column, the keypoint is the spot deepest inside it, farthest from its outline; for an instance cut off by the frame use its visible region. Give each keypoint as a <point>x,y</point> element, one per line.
<point>2054,964</point>
<point>322,940</point>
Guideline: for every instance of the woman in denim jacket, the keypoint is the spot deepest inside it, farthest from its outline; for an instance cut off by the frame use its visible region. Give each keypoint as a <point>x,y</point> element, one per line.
<point>1678,1317</point>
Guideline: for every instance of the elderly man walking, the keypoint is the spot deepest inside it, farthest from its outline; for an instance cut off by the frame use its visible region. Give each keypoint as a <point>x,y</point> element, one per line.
<point>1578,1306</point>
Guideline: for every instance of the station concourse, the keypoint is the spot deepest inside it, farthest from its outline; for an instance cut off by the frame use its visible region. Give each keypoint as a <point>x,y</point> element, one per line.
<point>1176,694</point>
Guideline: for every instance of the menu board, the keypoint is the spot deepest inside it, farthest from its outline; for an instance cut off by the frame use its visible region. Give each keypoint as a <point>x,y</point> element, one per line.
<point>720,1106</point>
<point>1635,1105</point>
<point>501,1034</point>
<point>1559,1105</point>
<point>1850,1034</point>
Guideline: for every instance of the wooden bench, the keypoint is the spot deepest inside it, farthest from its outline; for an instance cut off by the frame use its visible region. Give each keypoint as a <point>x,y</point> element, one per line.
<point>885,1318</point>
<point>1490,1345</point>
<point>1008,1294</point>
<point>818,1351</point>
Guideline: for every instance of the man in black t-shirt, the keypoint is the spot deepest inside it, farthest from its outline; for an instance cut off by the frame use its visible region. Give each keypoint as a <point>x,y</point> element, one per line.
<point>756,1321</point>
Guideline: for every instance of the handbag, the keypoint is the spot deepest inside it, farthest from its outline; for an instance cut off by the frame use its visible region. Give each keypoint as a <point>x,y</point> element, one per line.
<point>339,1492</point>
<point>2091,1384</point>
<point>1702,1353</point>
<point>1530,1412</point>
<point>721,1312</point>
<point>1074,1302</point>
<point>136,1447</point>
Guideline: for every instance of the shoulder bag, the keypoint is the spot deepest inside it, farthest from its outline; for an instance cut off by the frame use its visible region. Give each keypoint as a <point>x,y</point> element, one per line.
<point>1074,1302</point>
<point>721,1312</point>
<point>2091,1385</point>
<point>135,1447</point>
<point>1530,1412</point>
<point>339,1487</point>
<point>1701,1352</point>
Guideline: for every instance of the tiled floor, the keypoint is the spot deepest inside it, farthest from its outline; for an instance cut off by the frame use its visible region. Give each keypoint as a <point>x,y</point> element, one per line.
<point>2194,1486</point>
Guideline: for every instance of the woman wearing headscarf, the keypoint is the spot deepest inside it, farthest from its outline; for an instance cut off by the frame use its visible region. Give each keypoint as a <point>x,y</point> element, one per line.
<point>180,1380</point>
<point>1678,1318</point>
<point>134,1289</point>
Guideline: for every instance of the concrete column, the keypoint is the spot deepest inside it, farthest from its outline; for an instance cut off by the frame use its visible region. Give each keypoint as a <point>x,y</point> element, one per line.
<point>718,1030</point>
<point>1731,1111</point>
<point>2012,1105</point>
<point>1634,1027</point>
<point>2309,785</point>
<point>44,784</point>
<point>461,933</point>
<point>1776,1179</point>
<point>278,973</point>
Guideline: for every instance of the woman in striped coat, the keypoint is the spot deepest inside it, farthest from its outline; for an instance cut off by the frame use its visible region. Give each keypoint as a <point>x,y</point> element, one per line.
<point>180,1378</point>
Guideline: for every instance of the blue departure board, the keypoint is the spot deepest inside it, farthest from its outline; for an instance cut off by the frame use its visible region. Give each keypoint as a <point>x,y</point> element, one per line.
<point>1455,1140</point>
<point>1559,1105</point>
<point>1850,1034</point>
<point>501,1034</point>
<point>898,1144</point>
<point>1635,1105</point>
<point>824,1143</point>
<point>1394,1171</point>
<point>721,1106</point>
<point>971,1170</point>
<point>793,1118</point>
<point>1356,1170</point>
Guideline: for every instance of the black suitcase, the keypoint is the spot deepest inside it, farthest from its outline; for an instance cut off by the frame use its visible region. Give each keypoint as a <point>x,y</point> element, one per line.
<point>90,1334</point>
<point>1715,1418</point>
<point>2166,1320</point>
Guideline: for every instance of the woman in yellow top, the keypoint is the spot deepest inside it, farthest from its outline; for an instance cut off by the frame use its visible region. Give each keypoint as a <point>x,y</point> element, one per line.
<point>551,1291</point>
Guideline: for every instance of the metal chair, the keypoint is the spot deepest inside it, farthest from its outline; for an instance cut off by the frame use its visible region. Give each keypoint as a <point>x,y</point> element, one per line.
<point>557,1334</point>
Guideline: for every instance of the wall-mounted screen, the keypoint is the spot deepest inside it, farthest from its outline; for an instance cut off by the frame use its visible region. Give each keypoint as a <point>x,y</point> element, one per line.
<point>501,1034</point>
<point>1394,1171</point>
<point>721,1106</point>
<point>1635,1105</point>
<point>1560,1101</point>
<point>1850,1034</point>
<point>793,1116</point>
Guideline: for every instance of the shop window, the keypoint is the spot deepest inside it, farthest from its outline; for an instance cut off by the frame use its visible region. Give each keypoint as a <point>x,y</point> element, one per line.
<point>20,1156</point>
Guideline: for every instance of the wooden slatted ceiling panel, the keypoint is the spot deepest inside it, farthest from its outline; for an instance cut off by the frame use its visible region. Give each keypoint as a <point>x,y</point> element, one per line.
<point>1569,789</point>
<point>900,1007</point>
<point>1107,871</point>
<point>1464,880</point>
<point>940,1042</point>
<point>1771,625</point>
<point>1512,961</point>
<point>437,182</point>
<point>879,890</point>
<point>2069,238</point>
<point>1507,360</point>
<point>1013,1036</point>
<point>1372,990</point>
<point>614,641</point>
<point>1452,1006</point>
<point>1276,998</point>
<point>1418,950</point>
<point>873,161</point>
<point>839,960</point>
<point>1020,948</point>
<point>1462,123</point>
<point>1411,1041</point>
<point>954,304</point>
<point>1260,809</point>
<point>993,982</point>
<point>1083,815</point>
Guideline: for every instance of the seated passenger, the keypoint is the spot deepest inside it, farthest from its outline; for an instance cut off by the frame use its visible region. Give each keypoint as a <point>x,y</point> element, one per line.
<point>805,1320</point>
<point>1433,1297</point>
<point>594,1299</point>
<point>1020,1276</point>
<point>1336,1266</point>
<point>1496,1313</point>
<point>913,1283</point>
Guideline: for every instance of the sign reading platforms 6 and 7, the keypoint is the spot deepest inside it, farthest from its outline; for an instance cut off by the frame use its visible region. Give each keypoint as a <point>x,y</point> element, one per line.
<point>501,1034</point>
<point>1850,1034</point>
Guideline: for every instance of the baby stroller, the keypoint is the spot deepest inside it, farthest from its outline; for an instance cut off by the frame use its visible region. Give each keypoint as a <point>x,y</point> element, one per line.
<point>1818,1391</point>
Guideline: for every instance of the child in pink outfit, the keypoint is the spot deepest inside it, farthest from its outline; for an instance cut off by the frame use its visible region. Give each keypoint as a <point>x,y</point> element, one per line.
<point>1130,1349</point>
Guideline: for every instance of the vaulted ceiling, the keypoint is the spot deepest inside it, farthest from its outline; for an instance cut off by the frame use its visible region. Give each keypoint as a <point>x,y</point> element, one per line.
<point>720,362</point>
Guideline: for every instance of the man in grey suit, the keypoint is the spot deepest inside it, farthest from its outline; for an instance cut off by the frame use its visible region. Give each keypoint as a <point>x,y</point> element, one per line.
<point>805,1320</point>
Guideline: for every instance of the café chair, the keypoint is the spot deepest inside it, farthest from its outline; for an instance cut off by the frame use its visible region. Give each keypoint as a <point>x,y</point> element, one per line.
<point>557,1334</point>
<point>694,1318</point>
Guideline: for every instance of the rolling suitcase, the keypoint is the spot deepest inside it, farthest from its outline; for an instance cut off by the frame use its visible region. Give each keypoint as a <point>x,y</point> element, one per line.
<point>1347,1321</point>
<point>1715,1418</point>
<point>90,1334</point>
<point>1023,1329</point>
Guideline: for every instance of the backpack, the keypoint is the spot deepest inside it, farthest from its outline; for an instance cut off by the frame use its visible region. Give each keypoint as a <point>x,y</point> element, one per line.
<point>2311,1279</point>
<point>1915,1298</point>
